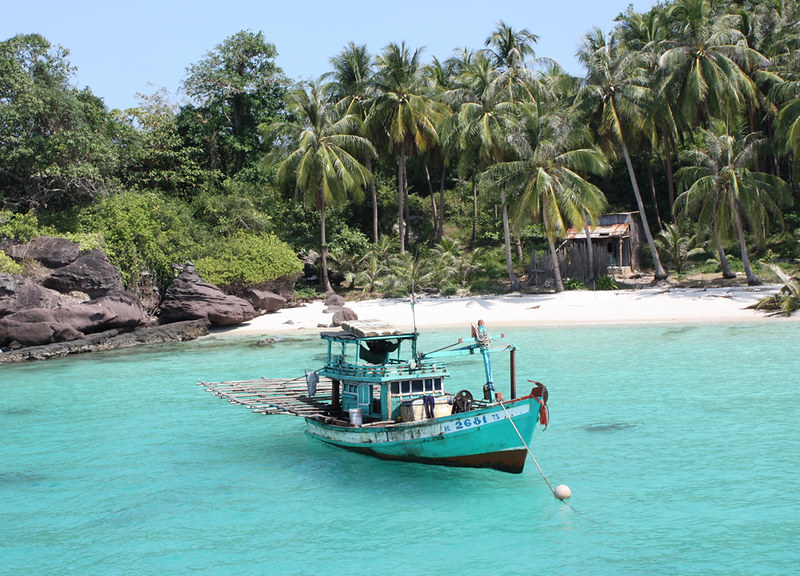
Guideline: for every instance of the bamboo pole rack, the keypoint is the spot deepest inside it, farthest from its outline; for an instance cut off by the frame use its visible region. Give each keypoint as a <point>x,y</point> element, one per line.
<point>275,395</point>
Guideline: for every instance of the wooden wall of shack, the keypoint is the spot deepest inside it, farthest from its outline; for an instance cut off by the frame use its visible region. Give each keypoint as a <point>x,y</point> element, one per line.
<point>573,255</point>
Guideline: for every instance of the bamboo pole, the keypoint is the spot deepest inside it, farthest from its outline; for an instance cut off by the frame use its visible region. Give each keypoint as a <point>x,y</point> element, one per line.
<point>513,369</point>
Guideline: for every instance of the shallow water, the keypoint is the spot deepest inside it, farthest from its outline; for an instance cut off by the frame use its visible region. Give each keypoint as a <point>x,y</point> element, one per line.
<point>680,445</point>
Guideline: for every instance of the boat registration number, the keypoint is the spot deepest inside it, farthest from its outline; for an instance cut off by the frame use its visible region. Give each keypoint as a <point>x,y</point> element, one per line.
<point>471,422</point>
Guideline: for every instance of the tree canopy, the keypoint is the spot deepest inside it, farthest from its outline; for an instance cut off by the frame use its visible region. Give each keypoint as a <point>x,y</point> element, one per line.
<point>471,159</point>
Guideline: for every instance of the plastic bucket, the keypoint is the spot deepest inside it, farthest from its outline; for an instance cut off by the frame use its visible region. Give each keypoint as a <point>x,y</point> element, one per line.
<point>356,416</point>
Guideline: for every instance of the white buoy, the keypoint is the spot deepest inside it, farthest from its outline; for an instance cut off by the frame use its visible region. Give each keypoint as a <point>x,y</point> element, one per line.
<point>562,492</point>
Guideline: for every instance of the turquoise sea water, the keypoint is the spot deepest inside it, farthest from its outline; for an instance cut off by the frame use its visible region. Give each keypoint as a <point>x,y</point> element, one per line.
<point>680,444</point>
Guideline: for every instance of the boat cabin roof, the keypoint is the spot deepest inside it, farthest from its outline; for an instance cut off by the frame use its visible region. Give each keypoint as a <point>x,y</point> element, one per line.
<point>370,342</point>
<point>359,330</point>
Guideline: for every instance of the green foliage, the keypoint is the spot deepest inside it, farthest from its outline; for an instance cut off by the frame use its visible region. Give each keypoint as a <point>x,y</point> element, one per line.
<point>305,293</point>
<point>346,262</point>
<point>248,258</point>
<point>787,300</point>
<point>154,153</point>
<point>87,240</point>
<point>143,231</point>
<point>8,265</point>
<point>21,226</point>
<point>574,284</point>
<point>232,207</point>
<point>443,263</point>
<point>449,290</point>
<point>57,144</point>
<point>350,241</point>
<point>605,283</point>
<point>673,247</point>
<point>236,87</point>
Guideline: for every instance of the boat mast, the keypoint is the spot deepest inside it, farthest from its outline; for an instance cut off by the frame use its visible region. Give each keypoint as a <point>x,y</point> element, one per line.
<point>484,340</point>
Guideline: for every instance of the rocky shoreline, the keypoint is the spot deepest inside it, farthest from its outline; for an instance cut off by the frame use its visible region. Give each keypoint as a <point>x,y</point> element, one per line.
<point>69,301</point>
<point>111,340</point>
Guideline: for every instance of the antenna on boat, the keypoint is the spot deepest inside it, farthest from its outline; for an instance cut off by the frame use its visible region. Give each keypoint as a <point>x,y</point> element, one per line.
<point>413,301</point>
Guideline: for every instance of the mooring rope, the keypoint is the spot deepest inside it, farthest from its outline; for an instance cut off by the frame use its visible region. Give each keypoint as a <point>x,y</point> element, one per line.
<point>510,419</point>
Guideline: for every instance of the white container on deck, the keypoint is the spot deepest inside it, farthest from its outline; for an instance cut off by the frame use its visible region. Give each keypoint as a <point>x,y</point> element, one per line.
<point>414,411</point>
<point>356,416</point>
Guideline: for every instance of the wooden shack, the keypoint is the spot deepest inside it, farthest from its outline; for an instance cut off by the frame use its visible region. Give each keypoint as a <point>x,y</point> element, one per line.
<point>616,248</point>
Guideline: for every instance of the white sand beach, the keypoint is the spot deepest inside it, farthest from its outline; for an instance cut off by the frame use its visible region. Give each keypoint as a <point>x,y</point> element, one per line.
<point>644,305</point>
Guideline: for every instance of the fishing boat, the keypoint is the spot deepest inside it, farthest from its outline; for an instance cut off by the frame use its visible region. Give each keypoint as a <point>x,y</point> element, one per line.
<point>377,394</point>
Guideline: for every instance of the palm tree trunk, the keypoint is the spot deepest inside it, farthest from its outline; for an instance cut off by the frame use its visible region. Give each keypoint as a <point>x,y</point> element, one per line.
<point>653,191</point>
<point>507,240</point>
<point>723,260</point>
<point>440,232</point>
<point>407,208</point>
<point>323,238</point>
<point>589,250</point>
<point>724,264</point>
<point>752,279</point>
<point>401,186</point>
<point>668,163</point>
<point>559,283</point>
<point>374,202</point>
<point>660,274</point>
<point>474,209</point>
<point>433,200</point>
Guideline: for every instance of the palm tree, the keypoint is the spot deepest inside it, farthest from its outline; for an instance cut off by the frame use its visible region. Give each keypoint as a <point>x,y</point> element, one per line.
<point>511,48</point>
<point>646,34</point>
<point>404,113</point>
<point>726,193</point>
<point>439,77</point>
<point>323,159</point>
<point>481,130</point>
<point>705,64</point>
<point>616,94</point>
<point>548,174</point>
<point>787,123</point>
<point>511,51</point>
<point>352,80</point>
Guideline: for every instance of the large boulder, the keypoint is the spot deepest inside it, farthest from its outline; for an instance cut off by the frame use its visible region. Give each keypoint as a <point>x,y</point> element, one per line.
<point>334,301</point>
<point>51,252</point>
<point>91,273</point>
<point>37,326</point>
<point>264,300</point>
<point>18,293</point>
<point>33,327</point>
<point>342,315</point>
<point>191,298</point>
<point>117,310</point>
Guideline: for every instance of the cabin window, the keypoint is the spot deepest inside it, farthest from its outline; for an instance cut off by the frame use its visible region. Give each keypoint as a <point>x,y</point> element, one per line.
<point>395,388</point>
<point>405,387</point>
<point>416,386</point>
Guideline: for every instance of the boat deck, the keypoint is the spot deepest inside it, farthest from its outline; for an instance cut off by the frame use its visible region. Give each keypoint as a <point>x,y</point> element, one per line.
<point>281,396</point>
<point>275,395</point>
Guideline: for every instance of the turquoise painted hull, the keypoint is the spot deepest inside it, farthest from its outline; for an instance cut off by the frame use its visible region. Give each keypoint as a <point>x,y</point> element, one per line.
<point>480,438</point>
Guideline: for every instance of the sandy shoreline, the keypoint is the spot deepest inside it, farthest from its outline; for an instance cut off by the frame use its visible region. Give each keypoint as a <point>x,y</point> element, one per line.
<point>646,305</point>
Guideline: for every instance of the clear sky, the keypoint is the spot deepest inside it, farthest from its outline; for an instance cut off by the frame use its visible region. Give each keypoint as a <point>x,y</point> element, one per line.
<point>124,48</point>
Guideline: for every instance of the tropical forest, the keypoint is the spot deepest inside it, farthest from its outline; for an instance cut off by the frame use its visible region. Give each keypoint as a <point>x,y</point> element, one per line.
<point>399,170</point>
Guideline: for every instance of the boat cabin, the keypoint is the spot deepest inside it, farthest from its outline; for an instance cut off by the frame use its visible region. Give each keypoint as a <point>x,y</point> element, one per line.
<point>376,370</point>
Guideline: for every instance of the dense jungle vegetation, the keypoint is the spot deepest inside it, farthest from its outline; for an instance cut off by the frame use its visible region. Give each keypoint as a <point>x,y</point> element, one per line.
<point>397,167</point>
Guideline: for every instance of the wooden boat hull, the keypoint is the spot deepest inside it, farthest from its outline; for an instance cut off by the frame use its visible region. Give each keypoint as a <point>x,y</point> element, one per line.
<point>481,438</point>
